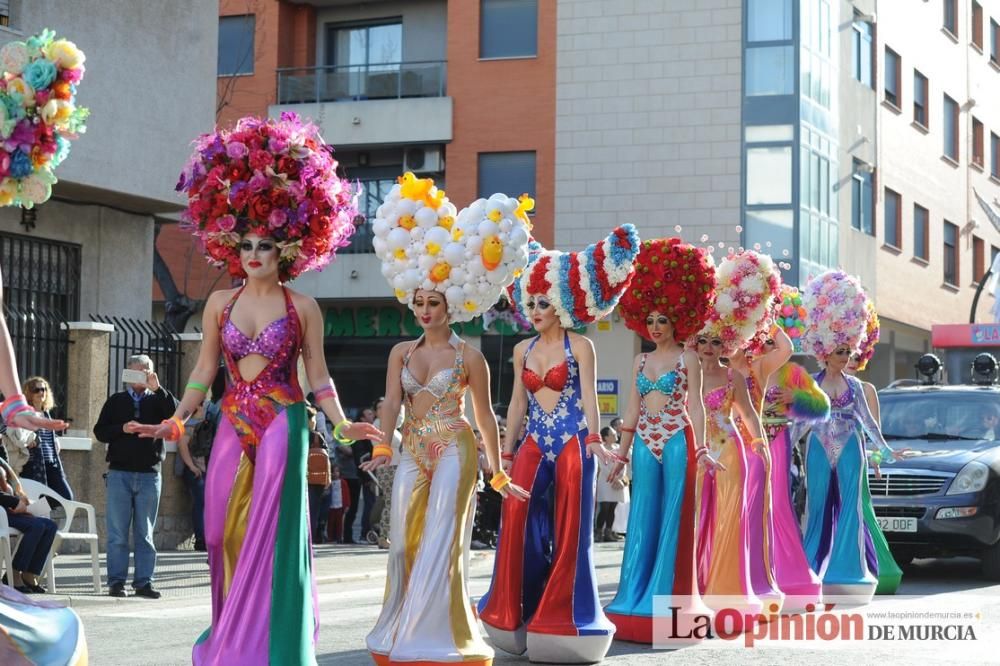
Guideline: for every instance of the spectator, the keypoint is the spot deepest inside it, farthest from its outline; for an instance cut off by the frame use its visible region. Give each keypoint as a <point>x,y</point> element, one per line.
<point>362,450</point>
<point>340,499</point>
<point>44,464</point>
<point>616,425</point>
<point>37,534</point>
<point>319,478</point>
<point>194,449</point>
<point>349,473</point>
<point>609,493</point>
<point>133,477</point>
<point>386,475</point>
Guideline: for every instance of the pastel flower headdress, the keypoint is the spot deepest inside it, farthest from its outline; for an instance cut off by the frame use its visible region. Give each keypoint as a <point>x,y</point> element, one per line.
<point>470,256</point>
<point>274,178</point>
<point>838,316</point>
<point>582,286</point>
<point>749,286</point>
<point>870,339</point>
<point>38,115</point>
<point>675,279</point>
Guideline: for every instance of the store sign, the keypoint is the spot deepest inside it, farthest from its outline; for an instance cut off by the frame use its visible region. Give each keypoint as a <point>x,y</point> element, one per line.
<point>965,335</point>
<point>607,396</point>
<point>366,321</point>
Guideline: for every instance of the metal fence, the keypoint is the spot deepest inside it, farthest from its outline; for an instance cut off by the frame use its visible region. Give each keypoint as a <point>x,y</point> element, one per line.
<point>394,80</point>
<point>41,347</point>
<point>156,339</point>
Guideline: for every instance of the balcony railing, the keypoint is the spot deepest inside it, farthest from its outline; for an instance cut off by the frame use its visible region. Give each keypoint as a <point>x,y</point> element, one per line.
<point>397,80</point>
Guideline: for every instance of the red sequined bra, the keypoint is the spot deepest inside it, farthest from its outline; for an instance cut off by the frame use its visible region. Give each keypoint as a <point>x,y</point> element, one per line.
<point>555,377</point>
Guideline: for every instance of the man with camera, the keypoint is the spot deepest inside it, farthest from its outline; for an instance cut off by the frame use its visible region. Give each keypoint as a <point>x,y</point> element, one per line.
<point>133,477</point>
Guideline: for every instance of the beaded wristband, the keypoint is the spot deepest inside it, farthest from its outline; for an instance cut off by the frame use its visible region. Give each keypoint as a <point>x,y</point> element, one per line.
<point>876,458</point>
<point>176,428</point>
<point>324,392</point>
<point>197,386</point>
<point>592,438</point>
<point>620,458</point>
<point>381,450</point>
<point>624,429</point>
<point>507,456</point>
<point>499,480</point>
<point>13,406</point>
<point>338,430</point>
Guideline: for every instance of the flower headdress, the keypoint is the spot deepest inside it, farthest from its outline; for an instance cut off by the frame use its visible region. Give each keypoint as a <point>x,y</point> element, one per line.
<point>868,342</point>
<point>835,302</point>
<point>582,286</point>
<point>38,115</point>
<point>469,256</point>
<point>748,288</point>
<point>275,178</point>
<point>675,279</point>
<point>792,315</point>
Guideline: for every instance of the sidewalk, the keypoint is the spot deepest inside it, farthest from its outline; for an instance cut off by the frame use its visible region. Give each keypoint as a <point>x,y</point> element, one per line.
<point>184,573</point>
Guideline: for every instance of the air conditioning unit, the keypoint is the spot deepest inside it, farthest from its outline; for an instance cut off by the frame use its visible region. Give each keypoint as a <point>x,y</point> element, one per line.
<point>423,160</point>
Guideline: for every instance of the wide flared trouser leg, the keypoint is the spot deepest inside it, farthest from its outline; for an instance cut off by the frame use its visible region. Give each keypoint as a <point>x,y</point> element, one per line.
<point>793,574</point>
<point>33,634</point>
<point>436,622</point>
<point>760,533</point>
<point>268,612</point>
<point>407,498</point>
<point>821,507</point>
<point>847,557</point>
<point>889,573</point>
<point>522,561</point>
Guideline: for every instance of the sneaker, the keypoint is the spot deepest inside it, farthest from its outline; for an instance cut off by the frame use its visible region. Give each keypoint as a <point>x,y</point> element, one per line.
<point>383,543</point>
<point>117,590</point>
<point>611,537</point>
<point>147,591</point>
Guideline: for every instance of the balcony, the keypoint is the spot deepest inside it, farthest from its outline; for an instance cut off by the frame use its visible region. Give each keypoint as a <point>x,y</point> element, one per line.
<point>385,103</point>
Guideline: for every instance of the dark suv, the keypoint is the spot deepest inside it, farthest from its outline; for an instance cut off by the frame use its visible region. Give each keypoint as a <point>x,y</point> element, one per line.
<point>944,499</point>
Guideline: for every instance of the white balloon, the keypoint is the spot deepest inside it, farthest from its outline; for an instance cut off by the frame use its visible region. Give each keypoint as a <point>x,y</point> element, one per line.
<point>388,271</point>
<point>496,198</point>
<point>380,227</point>
<point>474,243</point>
<point>399,282</point>
<point>438,235</point>
<point>455,296</point>
<point>454,253</point>
<point>397,238</point>
<point>426,217</point>
<point>378,244</point>
<point>518,235</point>
<point>498,276</point>
<point>477,209</point>
<point>412,277</point>
<point>406,207</point>
<point>417,234</point>
<point>426,262</point>
<point>506,225</point>
<point>457,273</point>
<point>508,206</point>
<point>427,285</point>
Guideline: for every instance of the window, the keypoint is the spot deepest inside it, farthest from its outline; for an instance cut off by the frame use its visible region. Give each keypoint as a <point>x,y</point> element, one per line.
<point>508,28</point>
<point>920,114</point>
<point>950,253</point>
<point>950,128</point>
<point>978,259</point>
<point>861,61</point>
<point>893,78</point>
<point>769,20</point>
<point>977,25</point>
<point>950,17</point>
<point>6,12</point>
<point>236,45</point>
<point>978,149</point>
<point>770,70</point>
<point>510,173</point>
<point>861,198</point>
<point>921,232</point>
<point>769,175</point>
<point>373,47</point>
<point>994,42</point>
<point>994,155</point>
<point>893,218</point>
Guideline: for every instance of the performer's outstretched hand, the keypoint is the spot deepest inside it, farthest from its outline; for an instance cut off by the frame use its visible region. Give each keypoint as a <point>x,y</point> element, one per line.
<point>602,454</point>
<point>148,431</point>
<point>362,430</point>
<point>617,471</point>
<point>710,463</point>
<point>375,463</point>
<point>38,421</point>
<point>514,491</point>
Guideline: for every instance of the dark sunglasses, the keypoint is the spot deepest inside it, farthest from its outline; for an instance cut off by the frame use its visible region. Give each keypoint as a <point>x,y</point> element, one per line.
<point>715,342</point>
<point>39,389</point>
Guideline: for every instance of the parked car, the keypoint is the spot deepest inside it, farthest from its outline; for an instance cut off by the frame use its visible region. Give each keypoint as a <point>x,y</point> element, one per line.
<point>943,500</point>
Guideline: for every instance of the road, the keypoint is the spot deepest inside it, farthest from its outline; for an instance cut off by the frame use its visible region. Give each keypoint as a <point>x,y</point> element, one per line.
<point>135,631</point>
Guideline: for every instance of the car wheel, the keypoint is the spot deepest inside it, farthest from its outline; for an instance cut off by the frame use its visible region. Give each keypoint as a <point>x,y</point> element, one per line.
<point>991,562</point>
<point>903,556</point>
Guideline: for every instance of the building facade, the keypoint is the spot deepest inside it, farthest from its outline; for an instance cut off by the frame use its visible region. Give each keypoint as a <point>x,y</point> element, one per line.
<point>829,133</point>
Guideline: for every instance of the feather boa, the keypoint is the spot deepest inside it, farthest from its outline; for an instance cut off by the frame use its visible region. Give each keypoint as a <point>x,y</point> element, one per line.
<point>809,402</point>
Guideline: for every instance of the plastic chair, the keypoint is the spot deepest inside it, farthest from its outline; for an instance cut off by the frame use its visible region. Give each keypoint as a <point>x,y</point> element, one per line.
<point>8,545</point>
<point>36,490</point>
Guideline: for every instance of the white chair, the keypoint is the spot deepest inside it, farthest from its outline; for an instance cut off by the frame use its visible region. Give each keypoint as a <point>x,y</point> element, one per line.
<point>36,490</point>
<point>8,545</point>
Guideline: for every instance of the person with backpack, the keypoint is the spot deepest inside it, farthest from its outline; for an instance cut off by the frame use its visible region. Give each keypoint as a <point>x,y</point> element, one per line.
<point>194,449</point>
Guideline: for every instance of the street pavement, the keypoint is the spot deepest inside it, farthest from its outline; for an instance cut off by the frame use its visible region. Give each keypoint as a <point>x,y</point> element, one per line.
<point>351,579</point>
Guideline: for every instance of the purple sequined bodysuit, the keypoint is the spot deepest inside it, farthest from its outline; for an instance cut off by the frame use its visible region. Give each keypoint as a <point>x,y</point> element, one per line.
<point>267,343</point>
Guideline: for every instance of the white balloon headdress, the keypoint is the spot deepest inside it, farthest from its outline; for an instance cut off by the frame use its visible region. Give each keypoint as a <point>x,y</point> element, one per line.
<point>469,256</point>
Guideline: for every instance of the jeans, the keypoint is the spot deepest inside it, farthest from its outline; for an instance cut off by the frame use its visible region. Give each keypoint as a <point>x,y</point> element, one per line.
<point>133,500</point>
<point>196,488</point>
<point>37,535</point>
<point>49,474</point>
<point>319,504</point>
<point>354,485</point>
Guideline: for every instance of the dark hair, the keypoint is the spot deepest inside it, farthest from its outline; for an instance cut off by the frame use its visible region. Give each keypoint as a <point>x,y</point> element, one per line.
<point>606,430</point>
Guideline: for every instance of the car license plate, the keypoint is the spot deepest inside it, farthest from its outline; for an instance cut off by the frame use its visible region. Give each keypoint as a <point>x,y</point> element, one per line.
<point>897,524</point>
